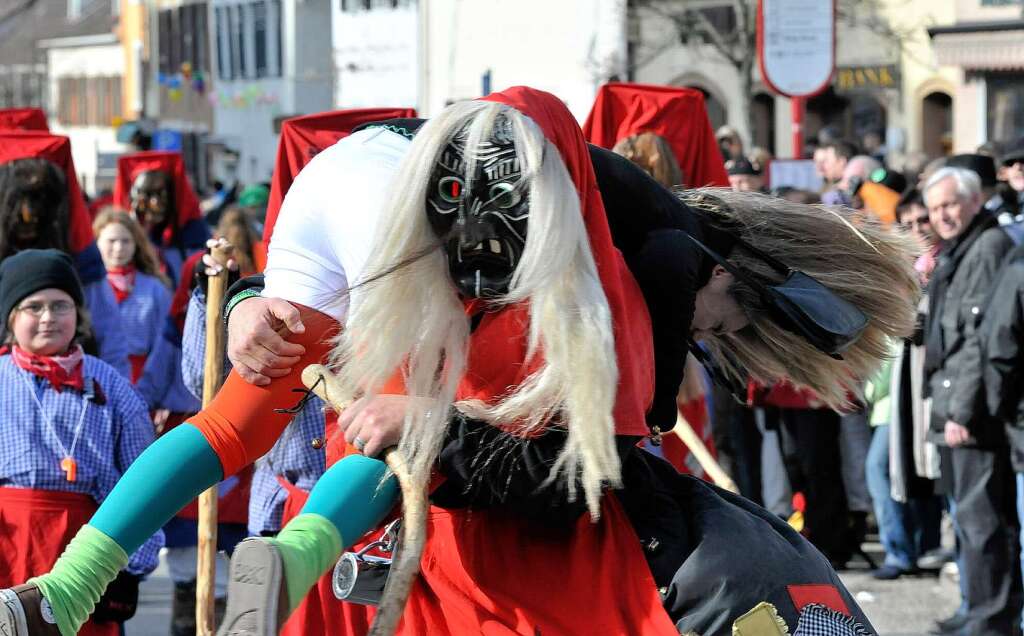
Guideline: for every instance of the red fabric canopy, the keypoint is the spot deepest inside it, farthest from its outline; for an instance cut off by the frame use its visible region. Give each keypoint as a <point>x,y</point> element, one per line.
<point>303,137</point>
<point>130,166</point>
<point>677,114</point>
<point>25,144</point>
<point>23,119</point>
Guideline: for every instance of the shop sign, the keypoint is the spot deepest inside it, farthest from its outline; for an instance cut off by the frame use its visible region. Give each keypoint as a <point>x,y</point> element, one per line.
<point>866,78</point>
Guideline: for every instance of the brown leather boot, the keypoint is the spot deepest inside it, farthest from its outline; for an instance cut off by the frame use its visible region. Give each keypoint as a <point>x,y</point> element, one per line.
<point>257,598</point>
<point>24,612</point>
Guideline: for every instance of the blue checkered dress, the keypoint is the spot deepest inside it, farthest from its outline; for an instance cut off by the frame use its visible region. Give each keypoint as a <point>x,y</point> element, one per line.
<point>292,457</point>
<point>106,326</point>
<point>116,430</point>
<point>142,313</point>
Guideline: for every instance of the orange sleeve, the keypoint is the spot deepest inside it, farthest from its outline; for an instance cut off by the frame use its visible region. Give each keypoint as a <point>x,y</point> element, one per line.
<point>240,423</point>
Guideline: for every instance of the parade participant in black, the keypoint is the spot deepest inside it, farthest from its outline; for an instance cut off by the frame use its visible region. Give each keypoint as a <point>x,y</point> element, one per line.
<point>153,186</point>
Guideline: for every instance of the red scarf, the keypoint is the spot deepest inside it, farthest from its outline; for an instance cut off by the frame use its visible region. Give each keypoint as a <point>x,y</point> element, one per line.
<point>122,281</point>
<point>61,371</point>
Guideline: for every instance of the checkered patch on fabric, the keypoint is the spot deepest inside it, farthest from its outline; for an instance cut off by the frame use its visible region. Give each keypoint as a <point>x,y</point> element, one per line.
<point>819,620</point>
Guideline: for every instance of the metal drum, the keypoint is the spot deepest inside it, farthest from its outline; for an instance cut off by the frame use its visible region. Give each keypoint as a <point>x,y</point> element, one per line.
<point>360,578</point>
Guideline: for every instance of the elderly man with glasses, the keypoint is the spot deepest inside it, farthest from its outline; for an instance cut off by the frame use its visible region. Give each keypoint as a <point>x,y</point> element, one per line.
<point>976,465</point>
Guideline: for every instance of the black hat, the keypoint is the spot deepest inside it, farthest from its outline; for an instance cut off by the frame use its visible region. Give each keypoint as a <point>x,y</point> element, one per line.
<point>982,165</point>
<point>889,178</point>
<point>741,166</point>
<point>1013,154</point>
<point>28,271</point>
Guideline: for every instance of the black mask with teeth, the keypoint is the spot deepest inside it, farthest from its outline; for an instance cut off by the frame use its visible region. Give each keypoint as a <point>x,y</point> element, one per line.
<point>481,217</point>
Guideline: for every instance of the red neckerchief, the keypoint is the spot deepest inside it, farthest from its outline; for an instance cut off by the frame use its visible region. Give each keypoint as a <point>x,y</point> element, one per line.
<point>61,371</point>
<point>122,280</point>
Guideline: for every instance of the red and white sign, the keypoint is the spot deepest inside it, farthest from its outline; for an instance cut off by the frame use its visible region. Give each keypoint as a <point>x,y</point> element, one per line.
<point>796,45</point>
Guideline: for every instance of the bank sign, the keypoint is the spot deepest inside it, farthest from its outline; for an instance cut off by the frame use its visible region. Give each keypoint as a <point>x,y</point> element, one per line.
<point>851,79</point>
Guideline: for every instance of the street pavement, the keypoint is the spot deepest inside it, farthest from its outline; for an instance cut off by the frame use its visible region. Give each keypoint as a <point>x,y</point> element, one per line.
<point>906,607</point>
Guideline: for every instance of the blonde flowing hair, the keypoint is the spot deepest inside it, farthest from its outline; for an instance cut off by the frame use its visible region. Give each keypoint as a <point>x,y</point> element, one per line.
<point>849,252</point>
<point>406,315</point>
<point>653,153</point>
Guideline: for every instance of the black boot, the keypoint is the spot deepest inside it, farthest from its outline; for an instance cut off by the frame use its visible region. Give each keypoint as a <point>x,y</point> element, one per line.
<point>183,610</point>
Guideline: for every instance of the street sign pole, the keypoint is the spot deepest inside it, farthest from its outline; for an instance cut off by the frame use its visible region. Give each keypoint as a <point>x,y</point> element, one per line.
<point>796,50</point>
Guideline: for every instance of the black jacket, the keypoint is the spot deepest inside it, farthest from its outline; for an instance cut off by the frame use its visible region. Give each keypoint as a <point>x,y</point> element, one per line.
<point>958,291</point>
<point>1002,338</point>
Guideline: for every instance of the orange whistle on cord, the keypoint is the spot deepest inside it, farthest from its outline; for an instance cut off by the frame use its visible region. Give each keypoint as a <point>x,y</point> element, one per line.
<point>70,468</point>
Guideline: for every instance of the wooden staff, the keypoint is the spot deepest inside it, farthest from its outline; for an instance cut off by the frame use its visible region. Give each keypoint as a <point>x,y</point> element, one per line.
<point>406,566</point>
<point>696,445</point>
<point>213,373</point>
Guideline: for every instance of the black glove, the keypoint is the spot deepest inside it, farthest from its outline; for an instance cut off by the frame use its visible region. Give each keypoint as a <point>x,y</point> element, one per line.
<point>119,602</point>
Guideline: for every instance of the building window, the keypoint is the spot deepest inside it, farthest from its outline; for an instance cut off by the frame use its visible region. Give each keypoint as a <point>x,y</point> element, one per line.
<point>259,22</point>
<point>88,101</point>
<point>1005,106</point>
<point>182,37</point>
<point>352,6</point>
<point>249,40</point>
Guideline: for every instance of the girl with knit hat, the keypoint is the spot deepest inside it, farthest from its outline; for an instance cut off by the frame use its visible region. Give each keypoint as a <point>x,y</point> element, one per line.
<point>70,425</point>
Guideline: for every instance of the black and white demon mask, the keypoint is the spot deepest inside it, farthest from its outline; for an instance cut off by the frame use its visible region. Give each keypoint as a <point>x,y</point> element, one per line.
<point>478,204</point>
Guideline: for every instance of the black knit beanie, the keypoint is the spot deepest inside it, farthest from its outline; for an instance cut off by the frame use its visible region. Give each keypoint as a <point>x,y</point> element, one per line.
<point>28,271</point>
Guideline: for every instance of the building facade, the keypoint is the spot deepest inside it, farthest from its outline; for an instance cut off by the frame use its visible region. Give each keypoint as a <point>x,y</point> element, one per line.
<point>887,82</point>
<point>272,60</point>
<point>982,48</point>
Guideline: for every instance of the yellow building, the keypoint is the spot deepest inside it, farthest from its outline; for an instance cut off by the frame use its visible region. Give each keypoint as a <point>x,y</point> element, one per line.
<point>981,47</point>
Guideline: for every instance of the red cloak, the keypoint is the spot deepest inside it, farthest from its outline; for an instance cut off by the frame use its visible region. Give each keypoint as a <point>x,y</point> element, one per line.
<point>23,119</point>
<point>130,166</point>
<point>303,137</point>
<point>489,572</point>
<point>25,144</point>
<point>677,114</point>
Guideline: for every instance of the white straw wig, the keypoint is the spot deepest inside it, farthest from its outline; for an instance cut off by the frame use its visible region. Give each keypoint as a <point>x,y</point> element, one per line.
<point>859,259</point>
<point>406,315</point>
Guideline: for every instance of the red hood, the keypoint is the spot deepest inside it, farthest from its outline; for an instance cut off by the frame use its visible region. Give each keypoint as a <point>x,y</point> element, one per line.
<point>130,166</point>
<point>677,114</point>
<point>23,119</point>
<point>505,331</point>
<point>303,137</point>
<point>24,144</point>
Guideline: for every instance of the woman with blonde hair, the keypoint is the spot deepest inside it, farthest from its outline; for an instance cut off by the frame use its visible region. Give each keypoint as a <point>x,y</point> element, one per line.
<point>134,280</point>
<point>653,153</point>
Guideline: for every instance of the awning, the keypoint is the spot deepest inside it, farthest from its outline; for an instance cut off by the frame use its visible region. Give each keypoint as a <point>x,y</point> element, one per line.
<point>980,46</point>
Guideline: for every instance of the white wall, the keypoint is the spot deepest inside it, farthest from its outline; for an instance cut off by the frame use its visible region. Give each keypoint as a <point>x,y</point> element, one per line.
<point>376,57</point>
<point>567,48</point>
<point>86,141</point>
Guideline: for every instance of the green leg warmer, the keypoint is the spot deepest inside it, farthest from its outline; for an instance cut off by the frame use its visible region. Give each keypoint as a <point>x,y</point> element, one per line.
<point>309,546</point>
<point>347,502</point>
<point>168,475</point>
<point>80,576</point>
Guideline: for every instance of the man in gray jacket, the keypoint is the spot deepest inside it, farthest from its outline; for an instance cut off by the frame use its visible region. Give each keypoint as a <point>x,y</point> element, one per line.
<point>977,472</point>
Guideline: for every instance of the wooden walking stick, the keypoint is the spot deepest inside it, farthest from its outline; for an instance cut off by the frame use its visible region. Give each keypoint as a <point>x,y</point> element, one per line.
<point>696,446</point>
<point>322,382</point>
<point>213,374</point>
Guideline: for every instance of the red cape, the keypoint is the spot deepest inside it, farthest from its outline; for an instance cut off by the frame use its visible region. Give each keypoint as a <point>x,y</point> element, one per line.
<point>677,114</point>
<point>590,578</point>
<point>23,119</point>
<point>129,167</point>
<point>24,144</point>
<point>303,137</point>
